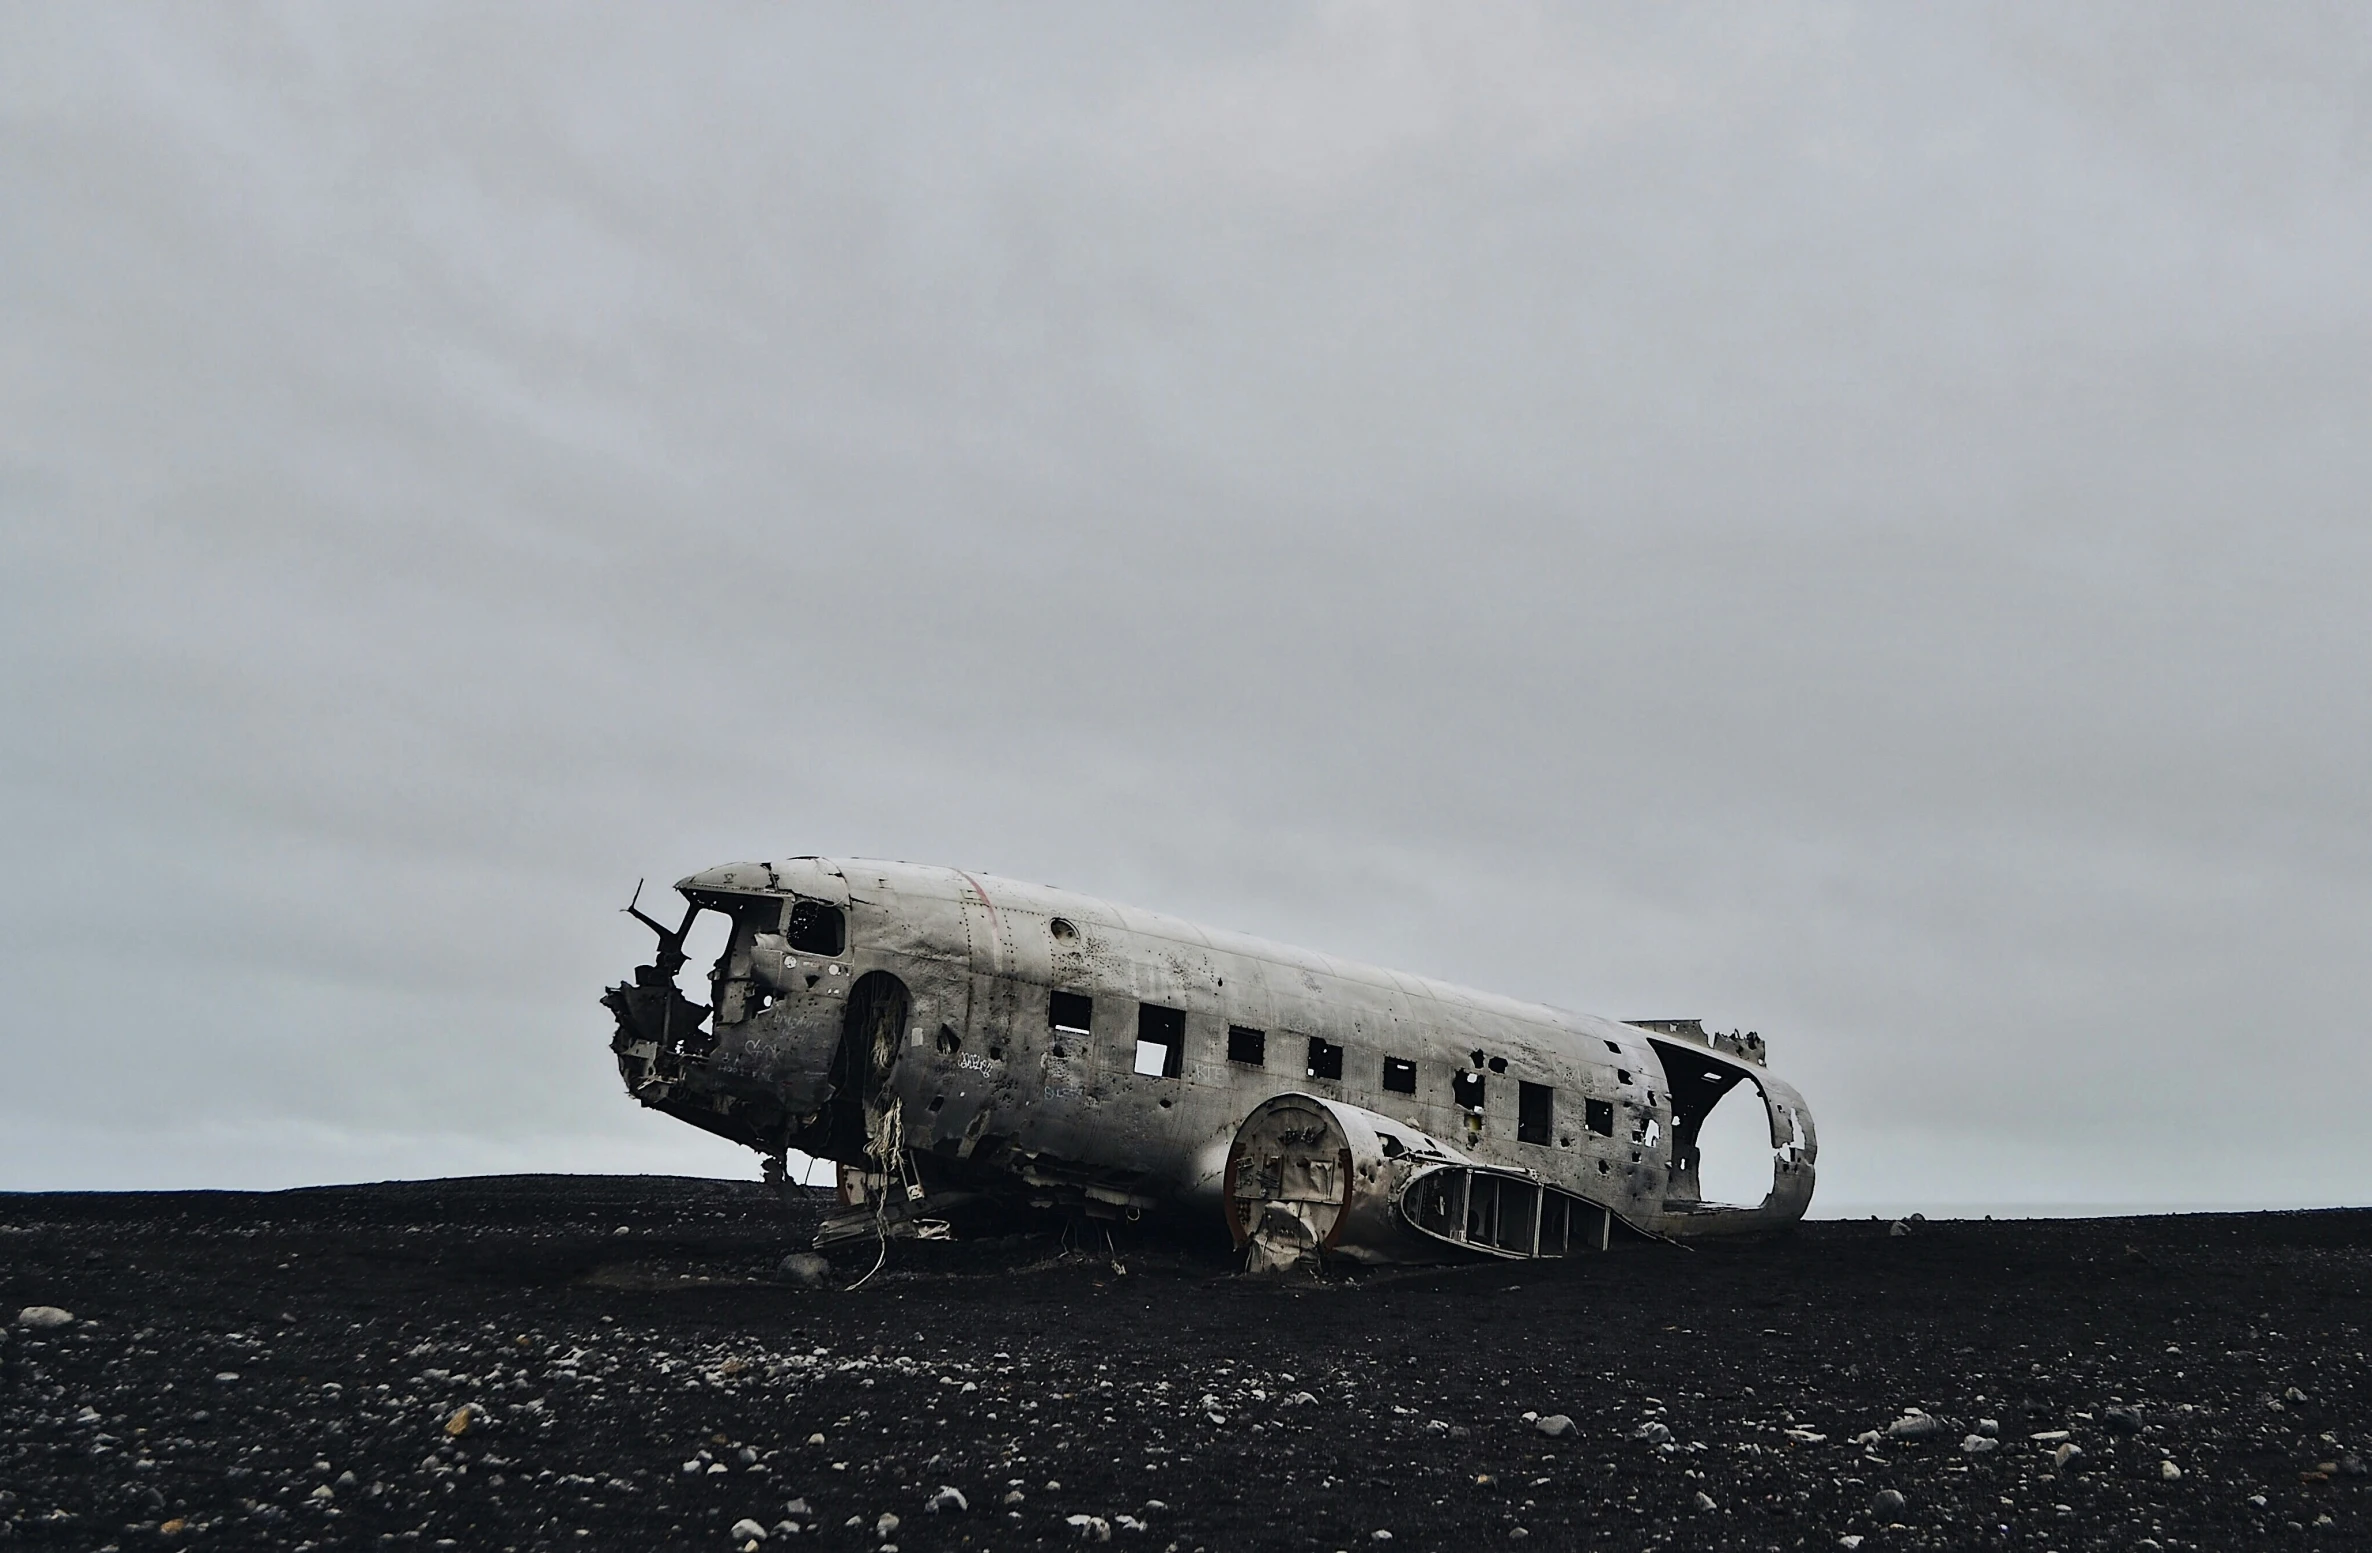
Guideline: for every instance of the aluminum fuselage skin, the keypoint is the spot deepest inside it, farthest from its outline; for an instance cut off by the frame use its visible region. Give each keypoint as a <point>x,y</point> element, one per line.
<point>985,1083</point>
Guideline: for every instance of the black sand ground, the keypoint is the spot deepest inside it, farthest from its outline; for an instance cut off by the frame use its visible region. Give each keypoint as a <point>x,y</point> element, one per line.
<point>491,1365</point>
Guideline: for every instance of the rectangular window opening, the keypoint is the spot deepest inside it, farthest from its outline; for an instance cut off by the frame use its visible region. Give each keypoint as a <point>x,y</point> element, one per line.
<point>1466,1091</point>
<point>1069,1012</point>
<point>1535,1112</point>
<point>1325,1059</point>
<point>1400,1077</point>
<point>1161,1041</point>
<point>1600,1116</point>
<point>1247,1046</point>
<point>817,928</point>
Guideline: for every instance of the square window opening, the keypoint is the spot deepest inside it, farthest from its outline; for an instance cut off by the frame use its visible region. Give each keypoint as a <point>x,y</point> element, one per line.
<point>1400,1077</point>
<point>1600,1116</point>
<point>816,928</point>
<point>1070,1012</point>
<point>1466,1091</point>
<point>1325,1059</point>
<point>1247,1046</point>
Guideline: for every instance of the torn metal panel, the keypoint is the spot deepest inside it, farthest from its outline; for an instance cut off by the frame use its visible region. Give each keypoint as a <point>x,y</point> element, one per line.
<point>964,1040</point>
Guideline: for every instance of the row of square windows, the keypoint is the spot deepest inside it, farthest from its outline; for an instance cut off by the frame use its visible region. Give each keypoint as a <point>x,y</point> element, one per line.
<point>1161,1051</point>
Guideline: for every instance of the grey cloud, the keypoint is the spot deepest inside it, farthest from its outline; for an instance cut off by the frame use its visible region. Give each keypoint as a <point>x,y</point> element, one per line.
<point>1847,521</point>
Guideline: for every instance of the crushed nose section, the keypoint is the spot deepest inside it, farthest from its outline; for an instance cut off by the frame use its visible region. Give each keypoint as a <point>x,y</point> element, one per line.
<point>659,1030</point>
<point>665,1044</point>
<point>658,1027</point>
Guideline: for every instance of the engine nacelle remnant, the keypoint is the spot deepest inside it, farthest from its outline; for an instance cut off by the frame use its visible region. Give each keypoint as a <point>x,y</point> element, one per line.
<point>1309,1177</point>
<point>962,1045</point>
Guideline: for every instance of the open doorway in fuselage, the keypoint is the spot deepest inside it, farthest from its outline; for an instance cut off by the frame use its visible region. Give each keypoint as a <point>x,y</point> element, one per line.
<point>1721,1131</point>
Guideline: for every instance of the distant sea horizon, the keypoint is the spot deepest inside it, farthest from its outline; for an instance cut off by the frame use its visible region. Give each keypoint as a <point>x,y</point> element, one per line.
<point>2052,1210</point>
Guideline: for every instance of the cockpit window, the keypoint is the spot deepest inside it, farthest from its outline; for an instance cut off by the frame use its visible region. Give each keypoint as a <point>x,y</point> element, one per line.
<point>817,928</point>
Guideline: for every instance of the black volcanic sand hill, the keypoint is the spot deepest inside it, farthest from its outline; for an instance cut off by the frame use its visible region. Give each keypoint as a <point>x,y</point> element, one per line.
<point>563,1363</point>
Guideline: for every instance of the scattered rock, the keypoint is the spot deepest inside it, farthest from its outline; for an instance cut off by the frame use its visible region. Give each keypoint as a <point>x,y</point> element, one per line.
<point>2121,1420</point>
<point>2066,1454</point>
<point>1704,1501</point>
<point>1654,1432</point>
<point>947,1499</point>
<point>1556,1426</point>
<point>1888,1504</point>
<point>1979,1444</point>
<point>805,1270</point>
<point>1091,1528</point>
<point>2170,1472</point>
<point>798,1508</point>
<point>1898,1229</point>
<point>2352,1465</point>
<point>885,1525</point>
<point>1915,1425</point>
<point>42,1316</point>
<point>747,1530</point>
<point>1014,1496</point>
<point>1849,1541</point>
<point>2293,1395</point>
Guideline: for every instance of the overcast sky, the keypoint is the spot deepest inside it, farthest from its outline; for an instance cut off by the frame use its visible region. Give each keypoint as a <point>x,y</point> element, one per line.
<point>1847,521</point>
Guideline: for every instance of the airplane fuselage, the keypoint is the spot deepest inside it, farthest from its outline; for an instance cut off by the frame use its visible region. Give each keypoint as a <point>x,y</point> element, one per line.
<point>1059,1050</point>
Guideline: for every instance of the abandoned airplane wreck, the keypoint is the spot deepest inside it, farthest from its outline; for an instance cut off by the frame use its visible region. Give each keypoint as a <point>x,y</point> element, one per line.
<point>961,1045</point>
